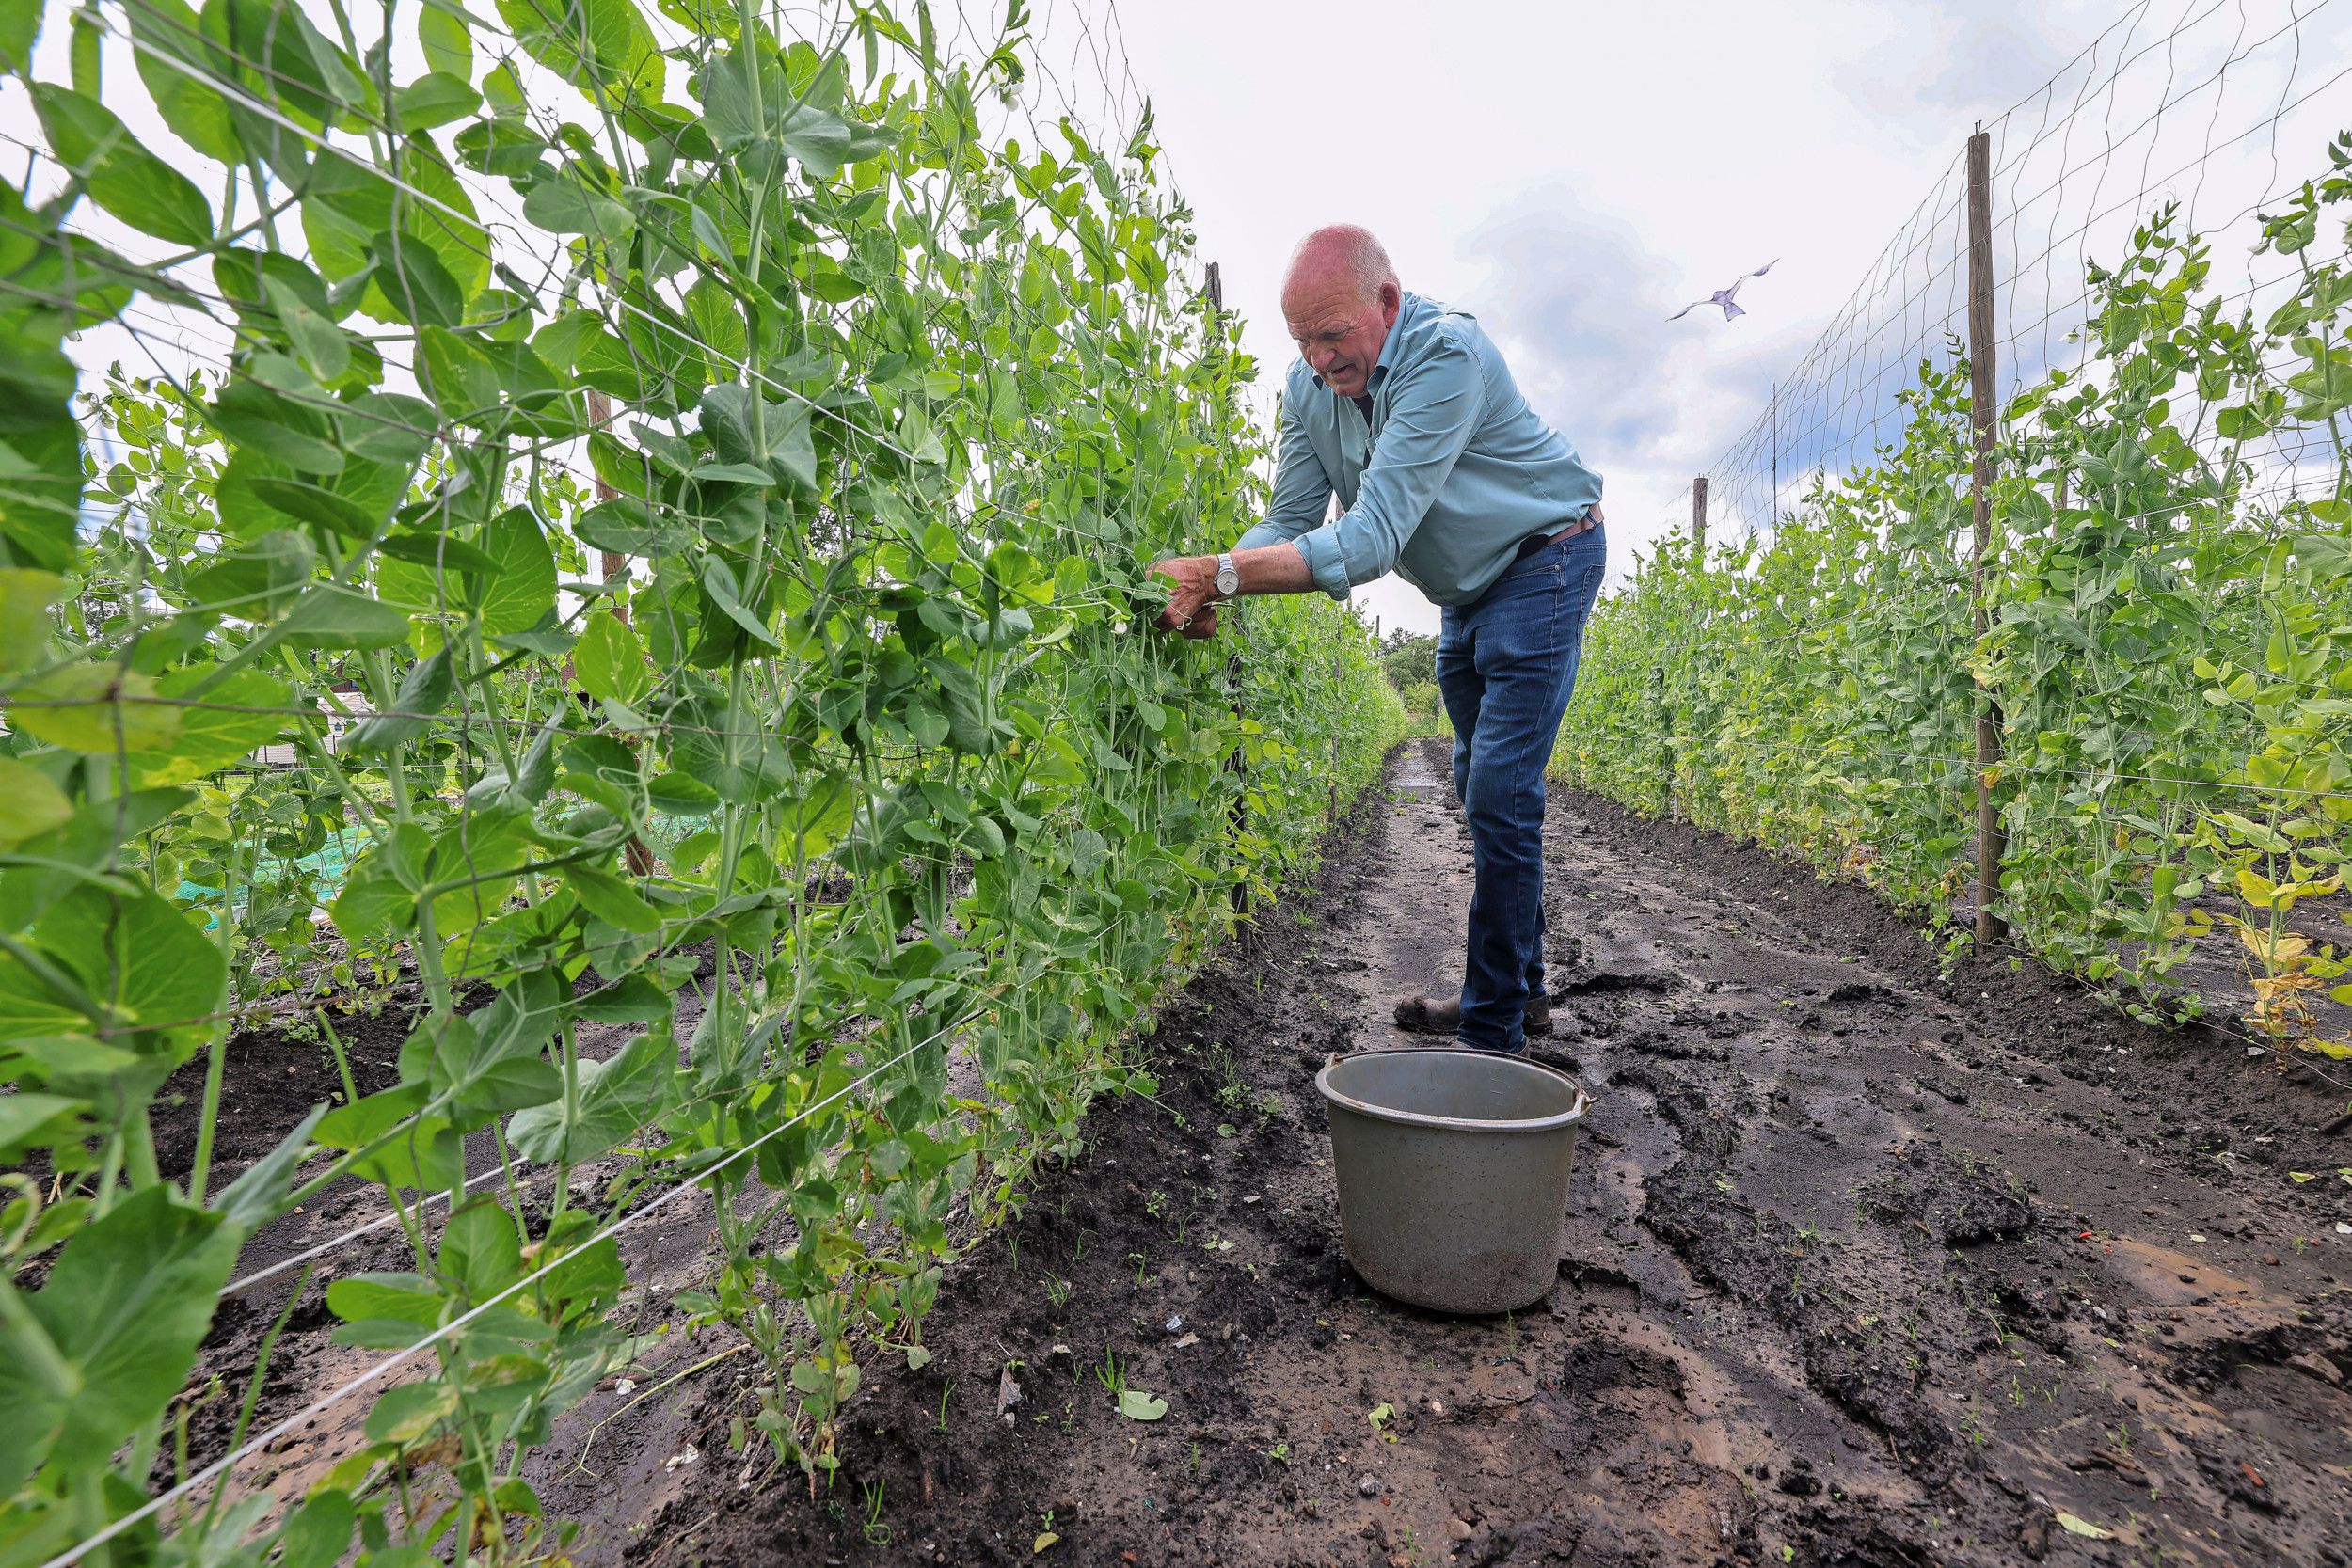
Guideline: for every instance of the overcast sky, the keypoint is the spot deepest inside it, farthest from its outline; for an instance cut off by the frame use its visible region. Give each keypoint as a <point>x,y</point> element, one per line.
<point>1573,173</point>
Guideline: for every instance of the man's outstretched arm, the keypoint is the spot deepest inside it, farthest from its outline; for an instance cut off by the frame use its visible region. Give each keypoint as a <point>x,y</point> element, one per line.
<point>1302,491</point>
<point>1192,593</point>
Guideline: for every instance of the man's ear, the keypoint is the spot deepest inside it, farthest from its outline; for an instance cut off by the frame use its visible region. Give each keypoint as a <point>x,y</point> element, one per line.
<point>1391,303</point>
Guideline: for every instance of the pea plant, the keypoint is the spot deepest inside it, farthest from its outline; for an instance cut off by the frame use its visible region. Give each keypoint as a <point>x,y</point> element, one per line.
<point>657,557</point>
<point>2167,648</point>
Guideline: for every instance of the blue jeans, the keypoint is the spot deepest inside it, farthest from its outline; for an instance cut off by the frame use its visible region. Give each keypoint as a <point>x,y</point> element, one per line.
<point>1506,664</point>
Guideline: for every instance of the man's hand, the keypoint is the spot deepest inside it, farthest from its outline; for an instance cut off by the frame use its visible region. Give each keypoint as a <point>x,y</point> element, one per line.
<point>1191,596</point>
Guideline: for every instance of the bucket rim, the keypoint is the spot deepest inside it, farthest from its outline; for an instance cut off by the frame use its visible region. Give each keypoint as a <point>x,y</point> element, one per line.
<point>1575,1113</point>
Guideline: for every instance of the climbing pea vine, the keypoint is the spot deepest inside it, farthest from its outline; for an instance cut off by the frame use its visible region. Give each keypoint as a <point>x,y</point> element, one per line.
<point>2167,592</point>
<point>650,591</point>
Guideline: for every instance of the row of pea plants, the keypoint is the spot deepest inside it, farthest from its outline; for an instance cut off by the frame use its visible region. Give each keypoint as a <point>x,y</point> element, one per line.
<point>705,473</point>
<point>2167,643</point>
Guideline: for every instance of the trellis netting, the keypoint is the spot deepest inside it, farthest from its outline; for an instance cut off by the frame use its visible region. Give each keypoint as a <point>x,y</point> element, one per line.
<point>2164,579</point>
<point>619,536</point>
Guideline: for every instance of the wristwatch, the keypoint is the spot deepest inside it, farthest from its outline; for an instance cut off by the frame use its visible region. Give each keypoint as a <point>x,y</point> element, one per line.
<point>1228,576</point>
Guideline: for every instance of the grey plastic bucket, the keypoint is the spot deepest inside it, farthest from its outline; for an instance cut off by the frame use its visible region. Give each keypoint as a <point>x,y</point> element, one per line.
<point>1453,1170</point>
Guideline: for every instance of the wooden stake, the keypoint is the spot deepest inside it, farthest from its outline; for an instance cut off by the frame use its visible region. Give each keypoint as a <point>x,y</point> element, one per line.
<point>600,416</point>
<point>1992,843</point>
<point>1698,518</point>
<point>1238,764</point>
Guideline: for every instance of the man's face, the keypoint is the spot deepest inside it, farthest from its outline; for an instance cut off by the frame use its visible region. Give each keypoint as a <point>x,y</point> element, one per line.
<point>1339,331</point>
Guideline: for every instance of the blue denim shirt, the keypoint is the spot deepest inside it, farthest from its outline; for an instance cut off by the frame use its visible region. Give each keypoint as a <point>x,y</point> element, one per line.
<point>1453,470</point>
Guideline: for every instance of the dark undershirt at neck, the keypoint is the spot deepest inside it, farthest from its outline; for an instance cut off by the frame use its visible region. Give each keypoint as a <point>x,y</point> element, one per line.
<point>1364,403</point>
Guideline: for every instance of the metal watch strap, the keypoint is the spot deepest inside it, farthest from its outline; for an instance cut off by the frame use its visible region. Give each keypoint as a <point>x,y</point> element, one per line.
<point>1228,576</point>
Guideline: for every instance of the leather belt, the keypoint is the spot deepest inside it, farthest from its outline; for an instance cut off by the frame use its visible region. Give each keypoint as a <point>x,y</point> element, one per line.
<point>1535,542</point>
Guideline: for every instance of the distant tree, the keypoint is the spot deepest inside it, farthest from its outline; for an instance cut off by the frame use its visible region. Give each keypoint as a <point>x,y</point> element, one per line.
<point>1408,658</point>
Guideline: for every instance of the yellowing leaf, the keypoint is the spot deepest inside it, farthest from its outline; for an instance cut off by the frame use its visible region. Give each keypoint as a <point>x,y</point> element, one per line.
<point>2075,1525</point>
<point>24,600</point>
<point>30,803</point>
<point>1044,1540</point>
<point>95,708</point>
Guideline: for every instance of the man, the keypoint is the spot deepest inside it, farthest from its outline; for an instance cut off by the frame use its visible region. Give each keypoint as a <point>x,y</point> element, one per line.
<point>1405,409</point>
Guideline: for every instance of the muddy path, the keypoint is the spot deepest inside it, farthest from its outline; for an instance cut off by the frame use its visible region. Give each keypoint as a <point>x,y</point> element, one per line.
<point>1863,1264</point>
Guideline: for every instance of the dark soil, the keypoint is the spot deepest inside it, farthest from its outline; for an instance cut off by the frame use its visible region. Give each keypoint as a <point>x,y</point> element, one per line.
<point>1865,1263</point>
<point>270,1078</point>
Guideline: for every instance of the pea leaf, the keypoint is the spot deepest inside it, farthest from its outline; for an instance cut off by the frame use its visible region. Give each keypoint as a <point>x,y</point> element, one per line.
<point>298,434</point>
<point>95,708</point>
<point>561,205</point>
<point>610,899</point>
<point>425,692</point>
<point>20,25</point>
<point>412,278</point>
<point>479,1074</point>
<point>410,1411</point>
<point>122,177</point>
<point>522,592</point>
<point>25,599</point>
<point>611,1100</point>
<point>602,47</point>
<point>155,964</point>
<point>236,714</point>
<point>719,587</point>
<point>426,1154</point>
<point>610,661</point>
<point>173,60</point>
<point>333,616</point>
<point>125,1307</point>
<point>437,549</point>
<point>1137,1405</point>
<point>30,803</point>
<point>434,98</point>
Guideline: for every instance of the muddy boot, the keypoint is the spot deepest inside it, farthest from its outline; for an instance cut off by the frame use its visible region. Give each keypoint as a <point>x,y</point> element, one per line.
<point>1421,1015</point>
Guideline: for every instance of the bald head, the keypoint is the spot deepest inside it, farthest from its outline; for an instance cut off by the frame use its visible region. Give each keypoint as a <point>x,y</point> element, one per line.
<point>1340,254</point>
<point>1339,297</point>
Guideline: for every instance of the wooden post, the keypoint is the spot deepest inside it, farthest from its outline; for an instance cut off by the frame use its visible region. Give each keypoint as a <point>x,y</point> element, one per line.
<point>1773,509</point>
<point>600,416</point>
<point>1698,542</point>
<point>1991,842</point>
<point>1238,764</point>
<point>1335,738</point>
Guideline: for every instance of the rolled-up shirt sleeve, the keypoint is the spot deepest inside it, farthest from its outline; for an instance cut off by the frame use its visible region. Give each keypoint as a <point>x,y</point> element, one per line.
<point>1433,412</point>
<point>1302,491</point>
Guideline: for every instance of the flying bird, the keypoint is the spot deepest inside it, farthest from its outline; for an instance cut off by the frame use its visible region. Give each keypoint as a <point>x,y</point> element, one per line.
<point>1725,297</point>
